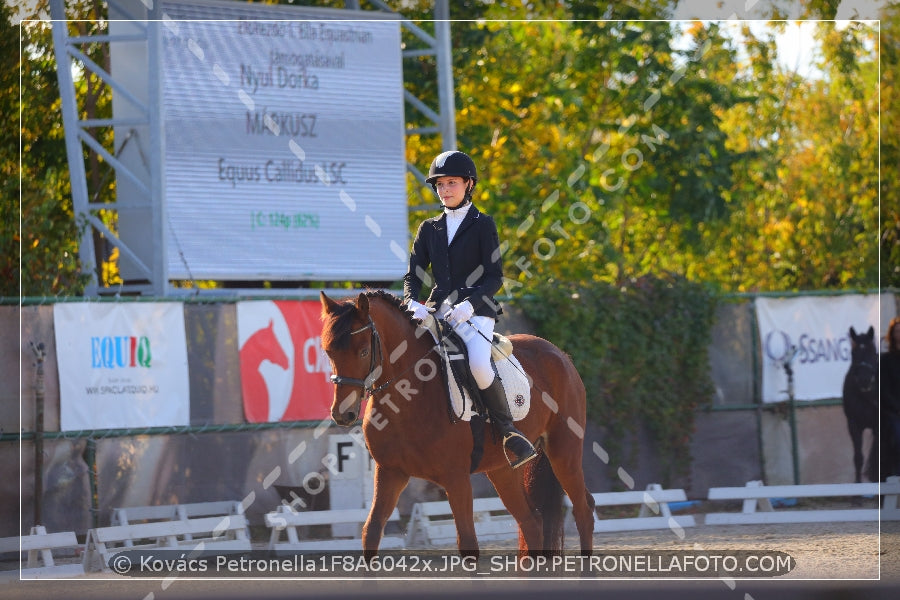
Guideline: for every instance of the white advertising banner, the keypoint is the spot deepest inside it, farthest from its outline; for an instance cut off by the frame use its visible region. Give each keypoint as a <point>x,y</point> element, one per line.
<point>284,142</point>
<point>121,365</point>
<point>818,329</point>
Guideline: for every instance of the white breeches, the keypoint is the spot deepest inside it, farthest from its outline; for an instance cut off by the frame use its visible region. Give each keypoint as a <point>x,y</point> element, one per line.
<point>479,348</point>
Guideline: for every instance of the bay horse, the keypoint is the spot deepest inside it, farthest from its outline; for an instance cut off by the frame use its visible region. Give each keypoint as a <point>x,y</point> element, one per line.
<point>860,400</point>
<point>379,353</point>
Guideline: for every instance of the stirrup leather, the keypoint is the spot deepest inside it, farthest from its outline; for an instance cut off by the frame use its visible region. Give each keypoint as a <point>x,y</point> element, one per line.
<point>519,460</point>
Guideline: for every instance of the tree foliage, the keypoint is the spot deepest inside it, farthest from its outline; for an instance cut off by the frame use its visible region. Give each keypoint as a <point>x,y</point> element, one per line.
<point>611,150</point>
<point>48,237</point>
<point>890,147</point>
<point>642,350</point>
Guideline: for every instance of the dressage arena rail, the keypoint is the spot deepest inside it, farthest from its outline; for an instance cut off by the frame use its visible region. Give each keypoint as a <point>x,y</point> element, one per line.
<point>655,512</point>
<point>171,512</point>
<point>223,526</point>
<point>757,503</point>
<point>40,545</point>
<point>285,519</point>
<point>206,525</point>
<point>432,524</point>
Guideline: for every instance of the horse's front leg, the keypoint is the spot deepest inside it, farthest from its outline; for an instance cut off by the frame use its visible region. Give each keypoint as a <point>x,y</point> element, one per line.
<point>510,488</point>
<point>389,483</point>
<point>459,494</point>
<point>873,470</point>
<point>856,437</point>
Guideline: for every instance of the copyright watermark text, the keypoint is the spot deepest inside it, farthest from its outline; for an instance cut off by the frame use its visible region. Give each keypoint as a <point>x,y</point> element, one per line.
<point>411,564</point>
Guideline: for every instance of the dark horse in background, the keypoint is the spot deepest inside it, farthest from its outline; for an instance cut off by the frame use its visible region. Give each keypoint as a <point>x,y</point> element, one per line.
<point>860,397</point>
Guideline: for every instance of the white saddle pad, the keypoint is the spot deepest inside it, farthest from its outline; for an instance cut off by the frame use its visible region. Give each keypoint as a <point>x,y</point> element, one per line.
<point>516,384</point>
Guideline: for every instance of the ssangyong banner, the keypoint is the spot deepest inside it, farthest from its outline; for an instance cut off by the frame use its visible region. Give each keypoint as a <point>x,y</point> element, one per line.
<point>121,365</point>
<point>284,371</point>
<point>284,148</point>
<point>812,335</point>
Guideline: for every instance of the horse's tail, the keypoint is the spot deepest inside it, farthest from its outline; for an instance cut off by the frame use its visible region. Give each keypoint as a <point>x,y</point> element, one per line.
<point>546,496</point>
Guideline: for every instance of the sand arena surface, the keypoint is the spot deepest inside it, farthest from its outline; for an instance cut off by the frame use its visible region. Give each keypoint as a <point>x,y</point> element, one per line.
<point>828,551</point>
<point>821,550</point>
<point>868,551</point>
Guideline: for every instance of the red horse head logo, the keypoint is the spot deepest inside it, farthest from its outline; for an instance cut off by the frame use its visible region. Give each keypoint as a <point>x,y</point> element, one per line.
<point>262,346</point>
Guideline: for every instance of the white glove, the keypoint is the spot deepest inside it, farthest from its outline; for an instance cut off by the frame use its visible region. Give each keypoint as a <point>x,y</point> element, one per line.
<point>420,311</point>
<point>461,313</point>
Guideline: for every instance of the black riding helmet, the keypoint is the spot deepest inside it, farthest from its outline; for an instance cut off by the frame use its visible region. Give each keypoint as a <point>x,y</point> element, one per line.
<point>453,163</point>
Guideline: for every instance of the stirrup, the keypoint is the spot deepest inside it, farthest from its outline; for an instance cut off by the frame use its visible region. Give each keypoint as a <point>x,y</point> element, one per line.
<point>520,460</point>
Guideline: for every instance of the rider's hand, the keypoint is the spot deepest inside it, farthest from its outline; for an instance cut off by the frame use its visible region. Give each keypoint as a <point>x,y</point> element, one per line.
<point>420,311</point>
<point>460,313</point>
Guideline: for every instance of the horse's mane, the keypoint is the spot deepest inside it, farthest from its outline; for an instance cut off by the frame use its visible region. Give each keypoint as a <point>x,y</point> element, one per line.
<point>337,324</point>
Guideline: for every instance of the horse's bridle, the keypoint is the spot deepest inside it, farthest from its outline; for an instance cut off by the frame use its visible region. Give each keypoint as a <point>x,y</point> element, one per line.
<point>869,374</point>
<point>374,369</point>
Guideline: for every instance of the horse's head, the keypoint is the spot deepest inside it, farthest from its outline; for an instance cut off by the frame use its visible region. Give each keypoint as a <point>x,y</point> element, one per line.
<point>351,342</point>
<point>864,359</point>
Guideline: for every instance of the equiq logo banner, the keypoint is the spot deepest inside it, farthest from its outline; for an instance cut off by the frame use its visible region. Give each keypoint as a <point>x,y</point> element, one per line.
<point>121,365</point>
<point>284,371</point>
<point>812,333</point>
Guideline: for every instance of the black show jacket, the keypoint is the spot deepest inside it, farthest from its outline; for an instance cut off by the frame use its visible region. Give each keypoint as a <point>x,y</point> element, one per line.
<point>468,269</point>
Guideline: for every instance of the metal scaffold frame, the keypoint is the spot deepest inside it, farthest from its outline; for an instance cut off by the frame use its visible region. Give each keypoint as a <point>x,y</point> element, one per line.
<point>139,170</point>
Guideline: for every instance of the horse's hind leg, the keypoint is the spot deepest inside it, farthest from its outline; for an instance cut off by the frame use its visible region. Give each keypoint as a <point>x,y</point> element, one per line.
<point>389,483</point>
<point>564,449</point>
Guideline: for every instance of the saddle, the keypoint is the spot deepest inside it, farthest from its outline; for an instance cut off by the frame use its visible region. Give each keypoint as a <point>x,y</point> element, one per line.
<point>463,393</point>
<point>457,375</point>
<point>464,397</point>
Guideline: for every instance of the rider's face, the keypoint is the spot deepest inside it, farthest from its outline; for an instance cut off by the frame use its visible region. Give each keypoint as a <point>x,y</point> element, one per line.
<point>452,190</point>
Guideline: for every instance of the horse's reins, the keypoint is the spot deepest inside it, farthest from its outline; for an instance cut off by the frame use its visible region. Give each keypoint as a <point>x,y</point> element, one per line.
<point>375,370</point>
<point>872,374</point>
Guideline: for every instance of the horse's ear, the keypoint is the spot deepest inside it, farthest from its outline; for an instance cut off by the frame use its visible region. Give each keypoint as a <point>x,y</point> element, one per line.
<point>362,303</point>
<point>328,305</point>
<point>852,333</point>
<point>871,332</point>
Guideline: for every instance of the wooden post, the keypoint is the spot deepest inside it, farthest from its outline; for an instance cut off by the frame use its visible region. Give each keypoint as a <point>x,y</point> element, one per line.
<point>39,353</point>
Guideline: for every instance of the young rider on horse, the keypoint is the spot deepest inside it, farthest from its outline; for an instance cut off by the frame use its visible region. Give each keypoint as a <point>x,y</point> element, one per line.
<point>463,249</point>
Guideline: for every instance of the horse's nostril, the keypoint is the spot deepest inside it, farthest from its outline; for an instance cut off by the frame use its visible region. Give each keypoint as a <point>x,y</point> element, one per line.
<point>351,417</point>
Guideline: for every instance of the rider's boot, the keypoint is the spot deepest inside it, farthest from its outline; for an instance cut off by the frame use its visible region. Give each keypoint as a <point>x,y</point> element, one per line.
<point>495,401</point>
